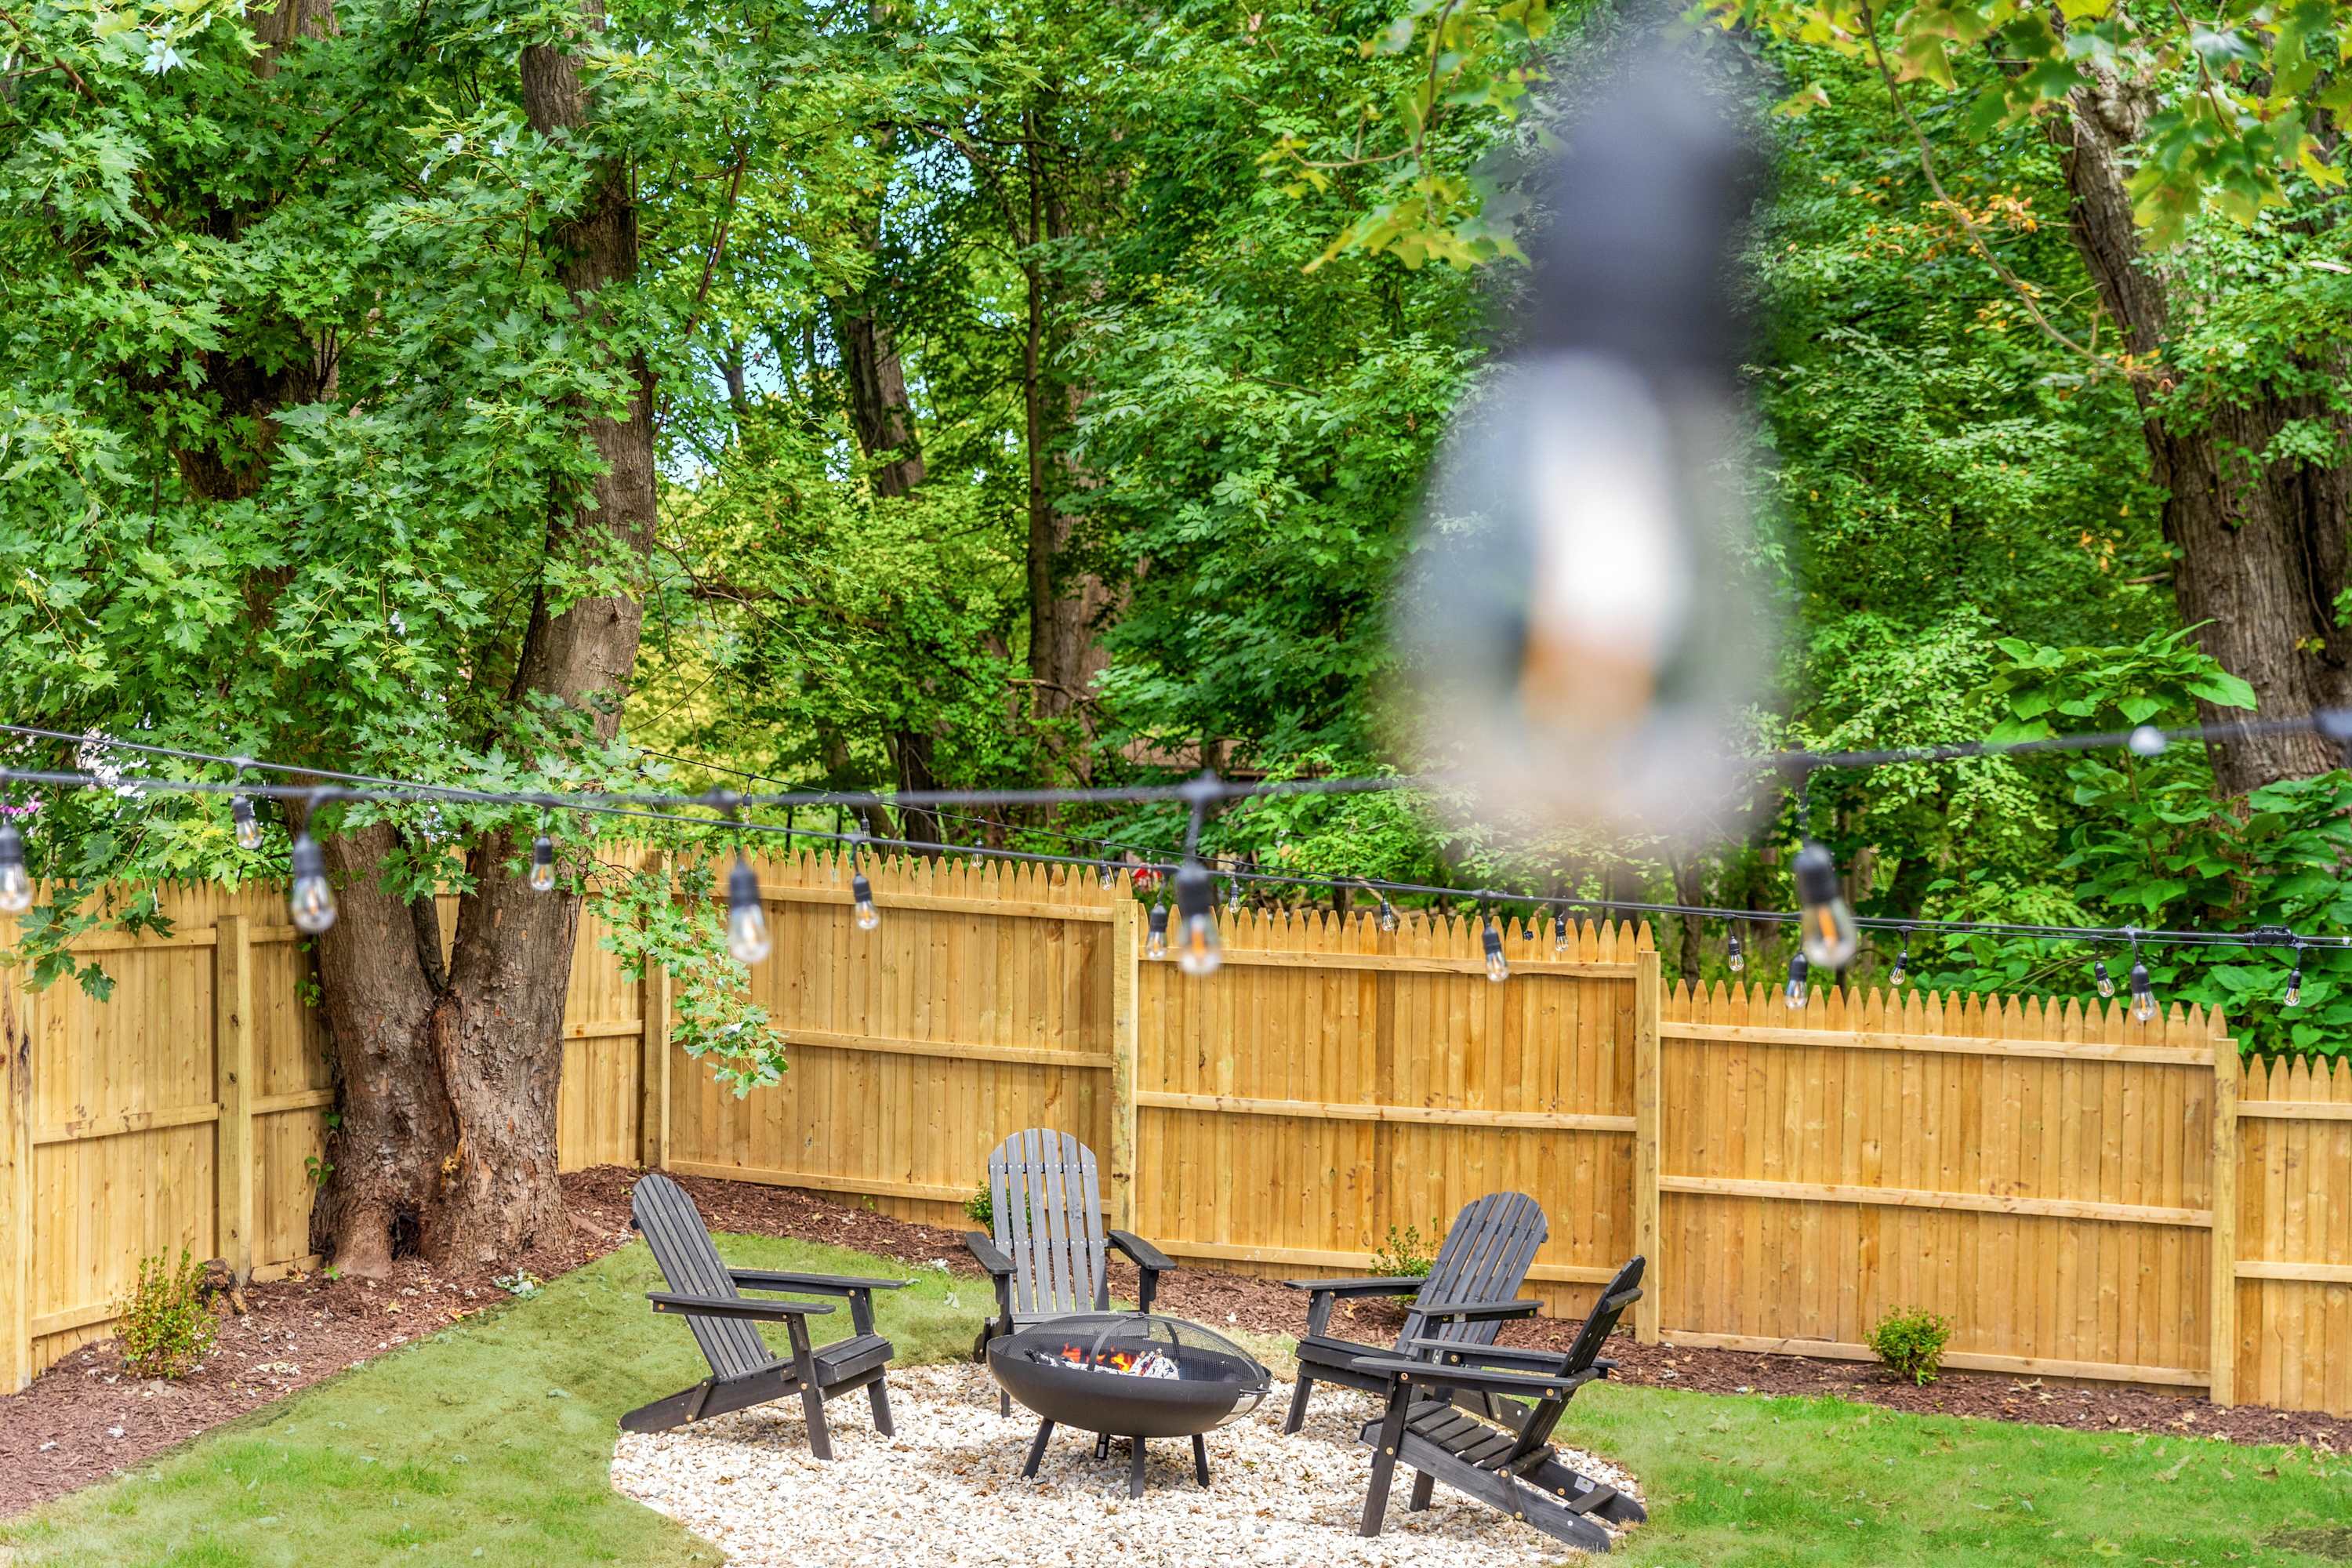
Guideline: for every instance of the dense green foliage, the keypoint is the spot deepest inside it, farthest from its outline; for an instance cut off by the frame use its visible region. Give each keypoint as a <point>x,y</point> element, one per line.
<point>1198,286</point>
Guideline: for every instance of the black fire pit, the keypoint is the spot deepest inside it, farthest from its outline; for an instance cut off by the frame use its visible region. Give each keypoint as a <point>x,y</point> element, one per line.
<point>1128,1374</point>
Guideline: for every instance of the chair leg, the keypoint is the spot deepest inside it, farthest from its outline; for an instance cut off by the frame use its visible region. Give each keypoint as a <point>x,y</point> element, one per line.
<point>1135,1471</point>
<point>1037,1449</point>
<point>812,1396</point>
<point>879,1397</point>
<point>1384,1459</point>
<point>1423,1485</point>
<point>1298,1416</point>
<point>1201,1458</point>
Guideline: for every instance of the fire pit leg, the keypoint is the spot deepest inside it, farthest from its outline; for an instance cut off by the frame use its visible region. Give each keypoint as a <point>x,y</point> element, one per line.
<point>1102,1447</point>
<point>1037,1449</point>
<point>1201,1458</point>
<point>1135,1471</point>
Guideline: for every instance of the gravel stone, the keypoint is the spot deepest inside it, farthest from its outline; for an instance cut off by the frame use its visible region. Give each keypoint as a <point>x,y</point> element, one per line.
<point>948,1490</point>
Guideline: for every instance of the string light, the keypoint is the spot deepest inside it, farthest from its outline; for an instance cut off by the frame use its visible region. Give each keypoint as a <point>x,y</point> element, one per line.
<point>542,864</point>
<point>15,883</point>
<point>1155,934</point>
<point>1197,952</point>
<point>1498,968</point>
<point>1902,970</point>
<point>2293,995</point>
<point>1559,933</point>
<point>246,825</point>
<point>311,900</point>
<point>1829,935</point>
<point>2143,993</point>
<point>1794,994</point>
<point>2100,976</point>
<point>861,892</point>
<point>1733,958</point>
<point>747,917</point>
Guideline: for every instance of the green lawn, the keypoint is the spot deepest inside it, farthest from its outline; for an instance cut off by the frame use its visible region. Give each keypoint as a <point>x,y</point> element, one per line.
<point>489,1443</point>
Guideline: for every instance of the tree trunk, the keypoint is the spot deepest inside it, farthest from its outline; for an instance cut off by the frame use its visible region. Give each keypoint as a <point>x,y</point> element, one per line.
<point>2263,548</point>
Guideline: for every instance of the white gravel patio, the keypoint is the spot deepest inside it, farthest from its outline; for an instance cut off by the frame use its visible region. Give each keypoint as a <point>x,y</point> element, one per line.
<point>948,1490</point>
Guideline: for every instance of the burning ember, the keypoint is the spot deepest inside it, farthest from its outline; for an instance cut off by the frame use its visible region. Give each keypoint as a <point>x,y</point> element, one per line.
<point>1147,1363</point>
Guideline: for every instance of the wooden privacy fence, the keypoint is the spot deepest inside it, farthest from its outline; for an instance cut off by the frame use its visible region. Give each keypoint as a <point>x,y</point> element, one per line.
<point>2084,1196</point>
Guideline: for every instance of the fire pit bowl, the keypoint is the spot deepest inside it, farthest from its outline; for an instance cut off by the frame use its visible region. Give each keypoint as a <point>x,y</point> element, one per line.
<point>1128,1374</point>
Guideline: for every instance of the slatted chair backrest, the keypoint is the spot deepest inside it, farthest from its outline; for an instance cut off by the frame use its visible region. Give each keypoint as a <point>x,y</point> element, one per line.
<point>1484,1258</point>
<point>1616,1298</point>
<point>1046,1210</point>
<point>681,1245</point>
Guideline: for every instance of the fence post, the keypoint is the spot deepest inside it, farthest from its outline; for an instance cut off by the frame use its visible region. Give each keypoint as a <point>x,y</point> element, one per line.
<point>15,1174</point>
<point>1126,953</point>
<point>234,1075</point>
<point>2224,1312</point>
<point>652,1090</point>
<point>1648,1078</point>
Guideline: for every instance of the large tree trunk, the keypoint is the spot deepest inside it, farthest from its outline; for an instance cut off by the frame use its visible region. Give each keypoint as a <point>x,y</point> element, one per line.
<point>2263,549</point>
<point>450,1079</point>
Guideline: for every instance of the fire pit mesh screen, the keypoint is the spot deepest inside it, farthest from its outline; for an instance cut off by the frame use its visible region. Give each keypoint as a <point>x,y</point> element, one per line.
<point>1130,1373</point>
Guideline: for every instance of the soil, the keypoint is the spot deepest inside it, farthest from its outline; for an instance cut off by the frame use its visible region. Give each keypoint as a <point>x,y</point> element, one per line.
<point>86,1418</point>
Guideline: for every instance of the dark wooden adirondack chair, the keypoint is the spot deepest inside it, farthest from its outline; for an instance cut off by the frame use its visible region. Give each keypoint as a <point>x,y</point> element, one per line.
<point>1047,1257</point>
<point>743,1370</point>
<point>1463,1300</point>
<point>1514,1468</point>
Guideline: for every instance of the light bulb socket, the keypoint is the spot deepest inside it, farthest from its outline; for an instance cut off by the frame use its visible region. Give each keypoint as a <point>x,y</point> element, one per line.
<point>1157,920</point>
<point>1492,939</point>
<point>1735,954</point>
<point>1195,890</point>
<point>1816,871</point>
<point>2140,983</point>
<point>306,860</point>
<point>12,845</point>
<point>860,889</point>
<point>743,885</point>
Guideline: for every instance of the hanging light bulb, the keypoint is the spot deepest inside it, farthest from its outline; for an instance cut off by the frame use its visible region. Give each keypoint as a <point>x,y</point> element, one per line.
<point>15,884</point>
<point>2293,997</point>
<point>1234,886</point>
<point>1829,935</point>
<point>1734,956</point>
<point>1902,970</point>
<point>1794,994</point>
<point>1559,933</point>
<point>1155,934</point>
<point>1106,880</point>
<point>247,825</point>
<point>1196,929</point>
<point>2143,994</point>
<point>747,917</point>
<point>861,896</point>
<point>1498,968</point>
<point>542,864</point>
<point>2099,974</point>
<point>311,900</point>
<point>1388,913</point>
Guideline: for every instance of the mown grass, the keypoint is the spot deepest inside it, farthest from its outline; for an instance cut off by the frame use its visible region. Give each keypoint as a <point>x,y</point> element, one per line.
<point>490,1442</point>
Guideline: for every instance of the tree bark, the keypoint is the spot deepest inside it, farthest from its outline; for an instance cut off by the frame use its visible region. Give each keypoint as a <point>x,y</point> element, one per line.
<point>2262,547</point>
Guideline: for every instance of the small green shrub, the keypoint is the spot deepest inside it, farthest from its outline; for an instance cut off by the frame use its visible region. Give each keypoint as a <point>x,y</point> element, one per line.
<point>1404,1253</point>
<point>980,1208</point>
<point>166,1327</point>
<point>1911,1344</point>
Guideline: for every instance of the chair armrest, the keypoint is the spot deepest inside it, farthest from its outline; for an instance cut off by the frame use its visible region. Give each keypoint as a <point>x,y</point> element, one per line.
<point>1405,1368</point>
<point>1487,1355</point>
<point>1371,1285</point>
<point>990,1256</point>
<point>733,1307</point>
<point>1145,1255</point>
<point>1477,1311</point>
<point>821,1284</point>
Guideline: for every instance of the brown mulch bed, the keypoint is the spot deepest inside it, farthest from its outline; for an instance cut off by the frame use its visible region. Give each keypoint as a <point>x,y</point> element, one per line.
<point>86,1418</point>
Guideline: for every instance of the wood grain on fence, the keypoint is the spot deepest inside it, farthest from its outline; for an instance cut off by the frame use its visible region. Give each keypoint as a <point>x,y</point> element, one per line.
<point>2058,1179</point>
<point>2294,1309</point>
<point>2041,1175</point>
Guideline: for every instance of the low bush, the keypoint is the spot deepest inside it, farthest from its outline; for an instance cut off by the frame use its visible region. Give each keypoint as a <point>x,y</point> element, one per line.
<point>1404,1253</point>
<point>1911,1344</point>
<point>167,1325</point>
<point>980,1208</point>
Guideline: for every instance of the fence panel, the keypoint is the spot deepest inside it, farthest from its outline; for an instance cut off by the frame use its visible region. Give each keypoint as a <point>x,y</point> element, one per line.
<point>1333,1081</point>
<point>2294,1328</point>
<point>980,1006</point>
<point>2041,1176</point>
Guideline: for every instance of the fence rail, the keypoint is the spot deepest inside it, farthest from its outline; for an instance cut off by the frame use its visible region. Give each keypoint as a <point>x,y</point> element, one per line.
<point>2085,1196</point>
